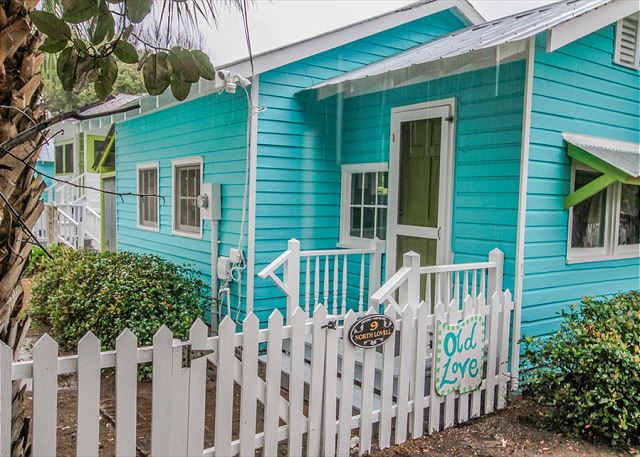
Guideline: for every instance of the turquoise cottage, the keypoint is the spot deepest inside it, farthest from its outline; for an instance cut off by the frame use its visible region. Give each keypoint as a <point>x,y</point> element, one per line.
<point>426,128</point>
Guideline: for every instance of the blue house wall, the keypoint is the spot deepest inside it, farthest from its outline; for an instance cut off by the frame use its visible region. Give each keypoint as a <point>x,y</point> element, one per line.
<point>298,174</point>
<point>212,127</point>
<point>575,89</point>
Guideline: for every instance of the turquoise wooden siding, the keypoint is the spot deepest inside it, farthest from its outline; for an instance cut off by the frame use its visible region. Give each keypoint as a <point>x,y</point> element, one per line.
<point>576,89</point>
<point>48,169</point>
<point>298,188</point>
<point>212,127</point>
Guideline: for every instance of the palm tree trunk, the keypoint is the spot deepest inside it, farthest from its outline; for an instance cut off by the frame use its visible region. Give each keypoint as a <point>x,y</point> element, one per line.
<point>20,87</point>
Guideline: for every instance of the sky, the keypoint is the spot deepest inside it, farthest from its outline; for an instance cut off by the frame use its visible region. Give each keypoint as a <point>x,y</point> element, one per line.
<point>274,23</point>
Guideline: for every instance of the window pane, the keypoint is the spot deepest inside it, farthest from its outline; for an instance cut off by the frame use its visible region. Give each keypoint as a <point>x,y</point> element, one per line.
<point>369,188</point>
<point>383,188</point>
<point>368,221</point>
<point>381,224</point>
<point>184,176</point>
<point>68,158</point>
<point>59,159</point>
<point>629,232</point>
<point>356,214</point>
<point>356,188</point>
<point>183,212</point>
<point>588,216</point>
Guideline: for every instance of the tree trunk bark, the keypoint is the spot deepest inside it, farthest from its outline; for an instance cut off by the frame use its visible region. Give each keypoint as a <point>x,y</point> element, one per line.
<point>20,87</point>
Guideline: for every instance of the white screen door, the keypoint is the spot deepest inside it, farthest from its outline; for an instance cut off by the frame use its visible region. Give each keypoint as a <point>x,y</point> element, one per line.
<point>420,181</point>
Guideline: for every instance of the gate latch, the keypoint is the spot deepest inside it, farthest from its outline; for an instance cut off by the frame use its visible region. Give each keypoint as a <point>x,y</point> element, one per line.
<point>188,355</point>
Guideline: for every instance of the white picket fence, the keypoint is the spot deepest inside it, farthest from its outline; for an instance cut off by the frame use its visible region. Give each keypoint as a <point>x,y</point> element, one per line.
<point>396,396</point>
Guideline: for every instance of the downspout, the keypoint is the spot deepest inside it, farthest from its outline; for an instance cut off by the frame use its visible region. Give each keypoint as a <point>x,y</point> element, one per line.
<point>253,172</point>
<point>522,211</point>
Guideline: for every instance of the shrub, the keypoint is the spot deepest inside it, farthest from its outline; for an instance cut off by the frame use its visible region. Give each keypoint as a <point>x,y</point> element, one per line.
<point>587,375</point>
<point>84,290</point>
<point>38,259</point>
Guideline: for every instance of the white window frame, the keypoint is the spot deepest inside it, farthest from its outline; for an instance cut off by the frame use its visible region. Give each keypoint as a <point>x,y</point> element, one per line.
<point>618,45</point>
<point>610,250</point>
<point>346,240</point>
<point>141,167</point>
<point>175,164</point>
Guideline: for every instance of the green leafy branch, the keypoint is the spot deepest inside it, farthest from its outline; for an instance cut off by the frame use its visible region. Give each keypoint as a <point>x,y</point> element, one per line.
<point>90,58</point>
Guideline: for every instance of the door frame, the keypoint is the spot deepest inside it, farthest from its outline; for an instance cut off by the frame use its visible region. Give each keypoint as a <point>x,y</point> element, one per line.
<point>446,107</point>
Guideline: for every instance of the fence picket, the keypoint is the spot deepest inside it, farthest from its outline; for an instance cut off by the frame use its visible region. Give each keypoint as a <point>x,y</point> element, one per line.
<point>45,395</point>
<point>503,339</point>
<point>386,385</point>
<point>224,387</point>
<point>453,315</point>
<point>492,343</point>
<point>318,344</point>
<point>179,402</point>
<point>463,403</point>
<point>197,390</point>
<point>404,376</point>
<point>272,388</point>
<point>126,392</point>
<point>297,420</point>
<point>346,390</point>
<point>88,395</point>
<point>161,391</point>
<point>366,408</point>
<point>6,359</point>
<point>422,330</point>
<point>248,395</point>
<point>329,400</point>
<point>476,396</point>
<point>434,398</point>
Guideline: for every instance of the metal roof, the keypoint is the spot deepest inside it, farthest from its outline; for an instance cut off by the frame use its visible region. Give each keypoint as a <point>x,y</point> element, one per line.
<point>118,101</point>
<point>505,30</point>
<point>623,155</point>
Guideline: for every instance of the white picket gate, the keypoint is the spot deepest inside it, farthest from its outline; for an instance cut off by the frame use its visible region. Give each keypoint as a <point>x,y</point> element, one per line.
<point>334,391</point>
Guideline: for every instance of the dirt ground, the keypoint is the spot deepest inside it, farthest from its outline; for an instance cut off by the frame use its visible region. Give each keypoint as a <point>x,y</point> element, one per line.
<point>507,433</point>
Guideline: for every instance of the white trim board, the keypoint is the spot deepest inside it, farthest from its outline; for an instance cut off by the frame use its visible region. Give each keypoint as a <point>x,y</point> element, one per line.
<point>253,174</point>
<point>587,23</point>
<point>296,51</point>
<point>522,209</point>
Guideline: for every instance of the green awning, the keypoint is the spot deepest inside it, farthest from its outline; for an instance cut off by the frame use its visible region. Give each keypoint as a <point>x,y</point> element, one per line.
<point>618,161</point>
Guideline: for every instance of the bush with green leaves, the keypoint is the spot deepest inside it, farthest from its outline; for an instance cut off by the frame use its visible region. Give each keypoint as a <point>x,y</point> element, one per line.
<point>81,291</point>
<point>586,376</point>
<point>38,259</point>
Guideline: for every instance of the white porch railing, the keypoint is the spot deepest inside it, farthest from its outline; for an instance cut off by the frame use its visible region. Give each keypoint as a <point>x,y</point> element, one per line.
<point>441,283</point>
<point>67,192</point>
<point>326,274</point>
<point>69,231</point>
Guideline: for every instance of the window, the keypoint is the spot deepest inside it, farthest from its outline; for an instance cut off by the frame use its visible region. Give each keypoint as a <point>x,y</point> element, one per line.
<point>187,174</point>
<point>148,210</point>
<point>607,224</point>
<point>364,202</point>
<point>64,158</point>
<point>627,47</point>
<point>98,146</point>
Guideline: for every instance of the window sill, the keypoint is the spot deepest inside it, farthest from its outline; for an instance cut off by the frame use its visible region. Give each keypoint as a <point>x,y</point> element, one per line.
<point>196,236</point>
<point>358,244</point>
<point>148,228</point>
<point>575,259</point>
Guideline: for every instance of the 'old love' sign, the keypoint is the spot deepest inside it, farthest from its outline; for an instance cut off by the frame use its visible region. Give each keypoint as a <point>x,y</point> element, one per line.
<point>459,355</point>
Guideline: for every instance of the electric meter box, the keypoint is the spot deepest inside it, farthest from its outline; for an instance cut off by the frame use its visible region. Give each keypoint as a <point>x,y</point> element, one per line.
<point>213,194</point>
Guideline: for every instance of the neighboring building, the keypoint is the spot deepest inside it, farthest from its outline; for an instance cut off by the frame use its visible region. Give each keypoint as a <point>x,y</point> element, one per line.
<point>417,128</point>
<point>45,163</point>
<point>78,167</point>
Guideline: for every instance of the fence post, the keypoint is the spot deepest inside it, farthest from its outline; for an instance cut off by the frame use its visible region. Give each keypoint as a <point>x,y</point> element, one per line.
<point>410,289</point>
<point>52,224</point>
<point>292,276</point>
<point>495,274</point>
<point>375,266</point>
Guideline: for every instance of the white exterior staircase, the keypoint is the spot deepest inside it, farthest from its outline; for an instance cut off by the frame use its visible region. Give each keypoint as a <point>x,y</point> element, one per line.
<point>69,216</point>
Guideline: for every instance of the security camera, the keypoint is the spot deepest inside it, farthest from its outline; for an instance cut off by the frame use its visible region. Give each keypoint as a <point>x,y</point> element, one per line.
<point>244,82</point>
<point>224,74</point>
